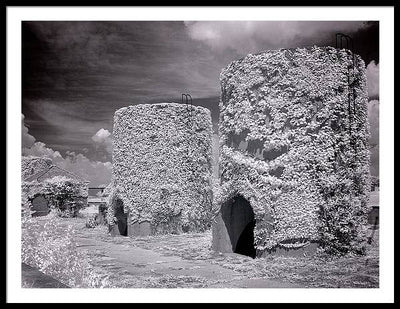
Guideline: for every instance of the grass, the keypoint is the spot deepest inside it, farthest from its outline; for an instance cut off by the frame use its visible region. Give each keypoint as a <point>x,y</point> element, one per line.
<point>309,272</point>
<point>312,272</point>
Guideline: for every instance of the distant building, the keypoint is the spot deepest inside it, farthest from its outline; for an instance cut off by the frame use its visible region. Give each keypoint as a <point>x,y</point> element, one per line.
<point>37,173</point>
<point>97,203</point>
<point>373,216</point>
<point>97,196</point>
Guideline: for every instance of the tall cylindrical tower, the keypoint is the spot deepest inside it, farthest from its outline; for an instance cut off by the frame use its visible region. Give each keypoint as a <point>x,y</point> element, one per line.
<point>161,169</point>
<point>294,158</point>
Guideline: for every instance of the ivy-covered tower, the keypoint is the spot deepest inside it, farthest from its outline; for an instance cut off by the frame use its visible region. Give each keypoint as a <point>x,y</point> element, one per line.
<point>161,169</point>
<point>294,155</point>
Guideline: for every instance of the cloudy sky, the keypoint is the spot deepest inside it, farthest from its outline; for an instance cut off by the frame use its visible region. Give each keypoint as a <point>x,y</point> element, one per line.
<point>76,74</point>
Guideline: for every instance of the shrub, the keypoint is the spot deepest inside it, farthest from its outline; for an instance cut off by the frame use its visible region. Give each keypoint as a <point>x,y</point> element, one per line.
<point>65,195</point>
<point>51,248</point>
<point>91,222</point>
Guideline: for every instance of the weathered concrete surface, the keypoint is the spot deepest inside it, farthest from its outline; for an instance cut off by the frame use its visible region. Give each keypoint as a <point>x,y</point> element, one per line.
<point>40,206</point>
<point>220,236</point>
<point>142,263</point>
<point>139,229</point>
<point>33,278</point>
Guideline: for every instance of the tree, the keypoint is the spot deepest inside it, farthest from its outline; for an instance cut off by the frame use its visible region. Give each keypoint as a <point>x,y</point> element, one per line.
<point>65,195</point>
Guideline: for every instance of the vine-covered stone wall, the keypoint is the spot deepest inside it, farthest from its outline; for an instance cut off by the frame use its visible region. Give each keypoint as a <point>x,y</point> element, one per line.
<point>162,166</point>
<point>61,193</point>
<point>294,142</point>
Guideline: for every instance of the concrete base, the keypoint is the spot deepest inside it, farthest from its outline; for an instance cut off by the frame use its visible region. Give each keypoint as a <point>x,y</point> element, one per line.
<point>139,229</point>
<point>220,237</point>
<point>40,206</point>
<point>233,228</point>
<point>113,230</point>
<point>133,230</point>
<point>308,250</point>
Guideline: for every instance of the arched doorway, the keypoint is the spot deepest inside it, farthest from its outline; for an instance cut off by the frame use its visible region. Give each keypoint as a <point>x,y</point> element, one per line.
<point>122,218</point>
<point>40,206</point>
<point>238,217</point>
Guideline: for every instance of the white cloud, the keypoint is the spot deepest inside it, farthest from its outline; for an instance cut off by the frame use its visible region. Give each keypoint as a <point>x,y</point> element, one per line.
<point>372,72</point>
<point>103,139</point>
<point>27,139</point>
<point>101,136</point>
<point>253,36</point>
<point>94,171</point>
<point>39,149</point>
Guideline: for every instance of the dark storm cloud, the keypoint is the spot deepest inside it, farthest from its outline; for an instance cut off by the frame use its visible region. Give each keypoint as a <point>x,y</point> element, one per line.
<point>76,74</point>
<point>140,59</point>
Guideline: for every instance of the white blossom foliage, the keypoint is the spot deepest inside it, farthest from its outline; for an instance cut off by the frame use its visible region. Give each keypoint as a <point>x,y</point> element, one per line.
<point>294,142</point>
<point>162,166</point>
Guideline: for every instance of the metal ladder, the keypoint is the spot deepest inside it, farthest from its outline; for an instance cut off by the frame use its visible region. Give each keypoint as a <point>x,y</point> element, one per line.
<point>186,99</point>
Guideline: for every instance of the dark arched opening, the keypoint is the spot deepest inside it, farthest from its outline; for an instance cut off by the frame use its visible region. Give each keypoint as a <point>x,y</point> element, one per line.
<point>122,218</point>
<point>238,217</point>
<point>40,206</point>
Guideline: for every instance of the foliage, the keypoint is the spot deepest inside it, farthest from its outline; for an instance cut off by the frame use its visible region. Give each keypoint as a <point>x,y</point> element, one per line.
<point>304,161</point>
<point>66,196</point>
<point>91,222</point>
<point>162,166</point>
<point>50,247</point>
<point>315,271</point>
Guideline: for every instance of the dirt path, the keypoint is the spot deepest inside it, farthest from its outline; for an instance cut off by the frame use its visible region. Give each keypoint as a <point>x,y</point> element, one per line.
<point>136,267</point>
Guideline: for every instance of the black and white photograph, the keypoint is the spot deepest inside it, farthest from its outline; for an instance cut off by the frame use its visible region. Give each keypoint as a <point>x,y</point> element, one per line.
<point>199,154</point>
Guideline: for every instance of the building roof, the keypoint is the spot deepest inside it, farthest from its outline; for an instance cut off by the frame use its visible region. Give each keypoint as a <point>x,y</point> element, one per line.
<point>53,171</point>
<point>31,165</point>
